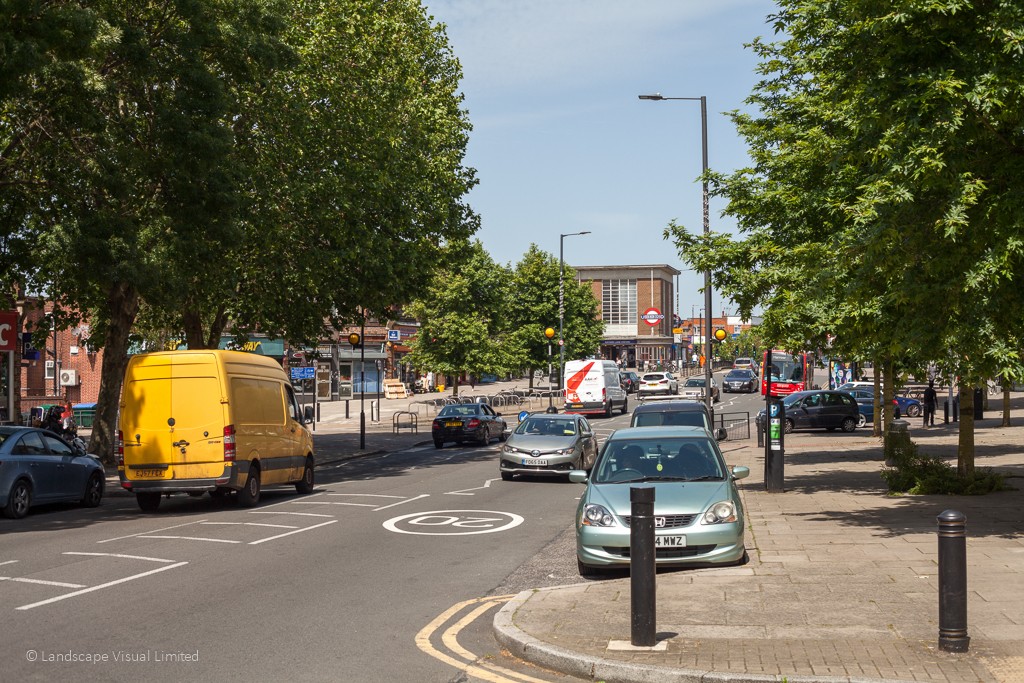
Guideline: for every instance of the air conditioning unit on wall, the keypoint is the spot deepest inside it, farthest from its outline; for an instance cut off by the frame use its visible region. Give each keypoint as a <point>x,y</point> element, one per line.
<point>69,378</point>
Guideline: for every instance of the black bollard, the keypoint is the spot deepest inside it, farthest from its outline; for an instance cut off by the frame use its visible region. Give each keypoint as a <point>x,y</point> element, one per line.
<point>641,566</point>
<point>953,582</point>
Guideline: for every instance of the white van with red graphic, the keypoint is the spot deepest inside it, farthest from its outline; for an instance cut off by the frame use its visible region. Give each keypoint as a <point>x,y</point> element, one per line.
<point>592,386</point>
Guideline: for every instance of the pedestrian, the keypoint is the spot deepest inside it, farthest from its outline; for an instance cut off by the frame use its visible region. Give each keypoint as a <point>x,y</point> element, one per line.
<point>930,400</point>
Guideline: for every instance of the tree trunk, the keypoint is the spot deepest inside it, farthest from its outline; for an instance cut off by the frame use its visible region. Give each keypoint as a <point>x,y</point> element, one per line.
<point>123,305</point>
<point>965,447</point>
<point>888,391</point>
<point>876,426</point>
<point>1006,403</point>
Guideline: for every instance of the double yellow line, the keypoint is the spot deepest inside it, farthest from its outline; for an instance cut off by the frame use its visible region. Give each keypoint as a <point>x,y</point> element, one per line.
<point>467,661</point>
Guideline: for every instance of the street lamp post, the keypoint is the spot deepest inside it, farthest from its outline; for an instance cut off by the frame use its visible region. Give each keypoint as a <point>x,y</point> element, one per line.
<point>707,230</point>
<point>356,338</point>
<point>561,299</point>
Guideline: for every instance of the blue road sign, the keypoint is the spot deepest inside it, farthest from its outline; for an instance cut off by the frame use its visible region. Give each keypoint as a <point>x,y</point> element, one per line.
<point>394,335</point>
<point>304,372</point>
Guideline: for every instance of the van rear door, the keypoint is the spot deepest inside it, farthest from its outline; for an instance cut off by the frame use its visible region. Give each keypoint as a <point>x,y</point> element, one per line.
<point>172,418</point>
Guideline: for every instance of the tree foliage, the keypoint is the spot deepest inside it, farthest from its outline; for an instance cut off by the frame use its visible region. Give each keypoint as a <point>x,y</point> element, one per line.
<point>883,204</point>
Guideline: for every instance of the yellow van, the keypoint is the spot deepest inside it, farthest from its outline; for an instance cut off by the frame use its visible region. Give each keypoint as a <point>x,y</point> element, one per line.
<point>210,421</point>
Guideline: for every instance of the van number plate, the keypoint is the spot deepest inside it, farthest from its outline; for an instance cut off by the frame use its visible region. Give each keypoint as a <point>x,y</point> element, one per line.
<point>670,541</point>
<point>150,473</point>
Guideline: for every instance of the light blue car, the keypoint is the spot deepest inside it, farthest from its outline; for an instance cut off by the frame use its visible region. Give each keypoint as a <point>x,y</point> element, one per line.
<point>697,508</point>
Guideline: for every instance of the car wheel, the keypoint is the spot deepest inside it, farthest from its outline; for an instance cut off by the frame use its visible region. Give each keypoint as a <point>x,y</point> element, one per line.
<point>849,424</point>
<point>148,502</point>
<point>608,409</point>
<point>485,436</point>
<point>250,493</point>
<point>789,426</point>
<point>93,491</point>
<point>503,437</point>
<point>913,410</point>
<point>625,406</point>
<point>19,500</point>
<point>588,572</point>
<point>862,420</point>
<point>438,444</point>
<point>308,481</point>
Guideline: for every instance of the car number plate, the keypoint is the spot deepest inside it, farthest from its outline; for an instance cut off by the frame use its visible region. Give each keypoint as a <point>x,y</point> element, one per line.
<point>452,424</point>
<point>575,405</point>
<point>150,473</point>
<point>531,461</point>
<point>670,541</point>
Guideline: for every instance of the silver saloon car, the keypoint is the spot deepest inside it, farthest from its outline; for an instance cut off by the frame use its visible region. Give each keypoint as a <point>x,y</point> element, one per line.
<point>548,444</point>
<point>698,514</point>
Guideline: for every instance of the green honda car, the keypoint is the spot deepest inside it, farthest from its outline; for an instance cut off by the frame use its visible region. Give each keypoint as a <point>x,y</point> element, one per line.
<point>698,515</point>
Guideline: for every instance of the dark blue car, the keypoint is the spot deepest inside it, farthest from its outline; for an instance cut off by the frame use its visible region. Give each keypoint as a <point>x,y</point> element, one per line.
<point>37,466</point>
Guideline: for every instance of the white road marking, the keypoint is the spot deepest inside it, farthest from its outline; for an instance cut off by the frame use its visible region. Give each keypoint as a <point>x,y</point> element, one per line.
<point>193,538</point>
<point>297,514</point>
<point>285,502</point>
<point>364,495</point>
<point>465,492</point>
<point>7,562</point>
<point>100,587</point>
<point>408,500</point>
<point>126,557</point>
<point>289,533</point>
<point>250,524</point>
<point>166,528</point>
<point>440,519</point>
<point>60,584</point>
<point>331,502</point>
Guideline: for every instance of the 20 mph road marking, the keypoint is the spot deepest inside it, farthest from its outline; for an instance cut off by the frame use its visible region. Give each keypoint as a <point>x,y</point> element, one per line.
<point>453,522</point>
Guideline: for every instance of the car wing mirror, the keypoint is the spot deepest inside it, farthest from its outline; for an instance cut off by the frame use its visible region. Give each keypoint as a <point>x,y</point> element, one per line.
<point>578,476</point>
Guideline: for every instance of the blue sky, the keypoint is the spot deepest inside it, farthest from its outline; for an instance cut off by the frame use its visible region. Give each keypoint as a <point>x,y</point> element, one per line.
<point>560,141</point>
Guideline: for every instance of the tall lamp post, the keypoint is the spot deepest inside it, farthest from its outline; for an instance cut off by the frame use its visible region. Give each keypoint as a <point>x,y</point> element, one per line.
<point>561,299</point>
<point>657,97</point>
<point>549,333</point>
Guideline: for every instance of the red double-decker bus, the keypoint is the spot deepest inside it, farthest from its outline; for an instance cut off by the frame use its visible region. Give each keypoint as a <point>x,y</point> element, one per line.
<point>789,372</point>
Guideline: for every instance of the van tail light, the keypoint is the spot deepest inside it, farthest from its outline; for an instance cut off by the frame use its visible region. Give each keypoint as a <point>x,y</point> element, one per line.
<point>473,424</point>
<point>229,443</point>
<point>119,449</point>
<point>604,394</point>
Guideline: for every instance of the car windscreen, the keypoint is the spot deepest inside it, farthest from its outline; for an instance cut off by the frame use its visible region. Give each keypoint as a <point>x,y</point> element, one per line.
<point>694,382</point>
<point>547,426</point>
<point>739,374</point>
<point>670,458</point>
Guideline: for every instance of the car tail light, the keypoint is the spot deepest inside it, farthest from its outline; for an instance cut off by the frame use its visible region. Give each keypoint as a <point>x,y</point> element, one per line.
<point>229,443</point>
<point>119,449</point>
<point>473,424</point>
<point>435,425</point>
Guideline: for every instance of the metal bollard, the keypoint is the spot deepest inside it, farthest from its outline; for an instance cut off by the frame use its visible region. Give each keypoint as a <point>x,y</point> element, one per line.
<point>346,409</point>
<point>641,566</point>
<point>953,582</point>
<point>760,432</point>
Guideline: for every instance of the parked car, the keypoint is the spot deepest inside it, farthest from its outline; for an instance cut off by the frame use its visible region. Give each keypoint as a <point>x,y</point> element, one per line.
<point>741,380</point>
<point>652,383</point>
<point>549,445</point>
<point>698,515</point>
<point>36,466</point>
<point>693,388</point>
<point>904,405</point>
<point>676,414</point>
<point>818,409</point>
<point>468,422</point>
<point>630,381</point>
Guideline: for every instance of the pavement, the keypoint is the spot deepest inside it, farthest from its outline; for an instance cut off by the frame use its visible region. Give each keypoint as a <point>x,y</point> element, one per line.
<point>842,582</point>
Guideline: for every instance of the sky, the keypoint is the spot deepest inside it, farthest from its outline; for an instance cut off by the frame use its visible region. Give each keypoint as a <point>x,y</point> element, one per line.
<point>562,144</point>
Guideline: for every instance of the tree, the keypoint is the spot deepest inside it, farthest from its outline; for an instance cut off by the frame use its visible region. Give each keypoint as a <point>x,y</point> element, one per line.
<point>534,308</point>
<point>883,201</point>
<point>462,317</point>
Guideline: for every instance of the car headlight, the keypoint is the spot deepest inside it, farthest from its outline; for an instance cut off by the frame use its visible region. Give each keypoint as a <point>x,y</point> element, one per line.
<point>509,449</point>
<point>719,513</point>
<point>596,515</point>
<point>565,451</point>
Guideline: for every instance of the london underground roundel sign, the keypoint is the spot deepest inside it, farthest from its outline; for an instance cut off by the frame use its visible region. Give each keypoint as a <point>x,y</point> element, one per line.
<point>652,316</point>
